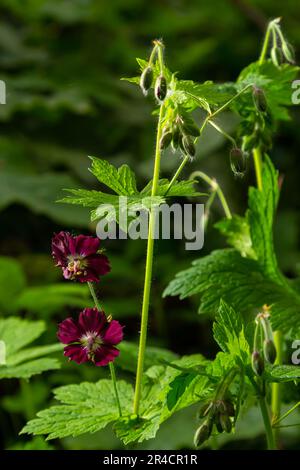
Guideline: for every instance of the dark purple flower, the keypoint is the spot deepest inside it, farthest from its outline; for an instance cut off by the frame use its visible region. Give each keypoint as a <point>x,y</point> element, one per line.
<point>79,257</point>
<point>92,338</point>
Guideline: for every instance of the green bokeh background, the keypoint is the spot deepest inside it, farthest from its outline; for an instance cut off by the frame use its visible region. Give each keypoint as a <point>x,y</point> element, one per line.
<point>62,62</point>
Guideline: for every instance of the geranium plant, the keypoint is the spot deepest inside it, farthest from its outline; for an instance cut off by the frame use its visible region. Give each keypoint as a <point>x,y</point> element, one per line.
<point>256,308</point>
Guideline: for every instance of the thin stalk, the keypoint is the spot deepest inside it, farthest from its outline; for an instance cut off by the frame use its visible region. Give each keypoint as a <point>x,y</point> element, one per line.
<point>215,186</point>
<point>267,423</point>
<point>111,365</point>
<point>148,274</point>
<point>177,173</point>
<point>276,395</point>
<point>258,167</point>
<point>264,50</point>
<point>219,129</point>
<point>114,381</point>
<point>285,415</point>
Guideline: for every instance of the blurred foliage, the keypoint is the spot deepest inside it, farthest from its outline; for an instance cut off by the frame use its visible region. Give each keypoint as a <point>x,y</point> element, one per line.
<point>62,62</point>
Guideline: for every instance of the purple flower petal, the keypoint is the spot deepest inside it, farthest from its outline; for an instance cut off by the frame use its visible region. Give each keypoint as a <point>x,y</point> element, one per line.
<point>76,353</point>
<point>68,331</point>
<point>113,334</point>
<point>105,354</point>
<point>91,320</point>
<point>86,246</point>
<point>98,264</point>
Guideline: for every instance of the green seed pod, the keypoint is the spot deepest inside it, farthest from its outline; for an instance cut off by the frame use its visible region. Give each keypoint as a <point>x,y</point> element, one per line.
<point>161,88</point>
<point>188,145</point>
<point>238,162</point>
<point>165,140</point>
<point>226,423</point>
<point>288,52</point>
<point>191,129</point>
<point>269,351</point>
<point>203,433</point>
<point>257,363</point>
<point>276,56</point>
<point>260,100</point>
<point>146,79</point>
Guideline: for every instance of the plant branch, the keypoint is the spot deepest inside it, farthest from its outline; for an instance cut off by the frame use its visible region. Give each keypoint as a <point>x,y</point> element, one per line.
<point>148,274</point>
<point>215,187</point>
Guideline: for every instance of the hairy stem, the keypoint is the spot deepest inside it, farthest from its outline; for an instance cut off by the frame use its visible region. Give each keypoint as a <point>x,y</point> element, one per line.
<point>111,365</point>
<point>215,186</point>
<point>267,423</point>
<point>276,398</point>
<point>148,274</point>
<point>264,50</point>
<point>258,167</point>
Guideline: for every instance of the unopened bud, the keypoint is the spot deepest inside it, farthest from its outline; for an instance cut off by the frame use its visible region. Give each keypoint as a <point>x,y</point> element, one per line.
<point>188,146</point>
<point>146,79</point>
<point>276,56</point>
<point>205,409</point>
<point>203,433</point>
<point>238,162</point>
<point>269,351</point>
<point>259,99</point>
<point>229,407</point>
<point>165,140</point>
<point>225,422</point>
<point>161,88</point>
<point>191,129</point>
<point>288,52</point>
<point>257,363</point>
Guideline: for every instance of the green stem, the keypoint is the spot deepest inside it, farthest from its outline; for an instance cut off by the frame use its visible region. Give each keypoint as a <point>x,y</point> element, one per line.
<point>148,274</point>
<point>285,415</point>
<point>267,423</point>
<point>258,167</point>
<point>276,398</point>
<point>264,50</point>
<point>111,365</point>
<point>177,173</point>
<point>114,381</point>
<point>215,186</point>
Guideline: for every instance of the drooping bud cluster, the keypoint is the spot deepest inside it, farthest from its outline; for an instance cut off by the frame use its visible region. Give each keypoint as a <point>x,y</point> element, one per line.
<point>218,413</point>
<point>179,131</point>
<point>148,74</point>
<point>281,50</point>
<point>264,348</point>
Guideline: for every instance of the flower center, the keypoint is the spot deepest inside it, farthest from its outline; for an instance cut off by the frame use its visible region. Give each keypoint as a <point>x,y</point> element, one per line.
<point>76,265</point>
<point>91,341</point>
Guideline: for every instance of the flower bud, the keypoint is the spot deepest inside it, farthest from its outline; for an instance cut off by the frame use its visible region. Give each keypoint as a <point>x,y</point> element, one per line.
<point>205,409</point>
<point>259,99</point>
<point>276,56</point>
<point>165,139</point>
<point>218,423</point>
<point>188,145</point>
<point>269,351</point>
<point>225,422</point>
<point>288,52</point>
<point>238,162</point>
<point>176,137</point>
<point>146,79</point>
<point>229,407</point>
<point>191,129</point>
<point>203,433</point>
<point>257,363</point>
<point>161,88</point>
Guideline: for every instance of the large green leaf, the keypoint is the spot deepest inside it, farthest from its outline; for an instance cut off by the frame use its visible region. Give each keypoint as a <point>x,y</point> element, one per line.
<point>87,407</point>
<point>21,362</point>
